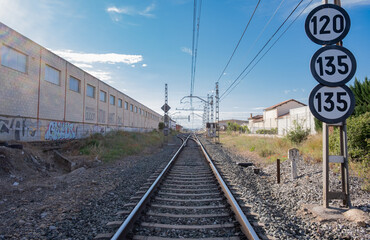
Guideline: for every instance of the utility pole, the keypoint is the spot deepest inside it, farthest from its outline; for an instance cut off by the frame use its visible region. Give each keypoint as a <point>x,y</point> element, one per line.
<point>166,108</point>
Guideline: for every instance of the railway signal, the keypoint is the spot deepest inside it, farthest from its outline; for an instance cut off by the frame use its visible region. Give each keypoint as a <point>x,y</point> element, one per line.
<point>331,104</point>
<point>327,24</point>
<point>166,107</point>
<point>333,65</point>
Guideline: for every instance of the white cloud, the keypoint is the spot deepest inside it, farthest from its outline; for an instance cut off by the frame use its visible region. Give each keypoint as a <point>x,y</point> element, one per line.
<point>258,108</point>
<point>104,76</point>
<point>345,3</point>
<point>133,66</point>
<point>287,91</point>
<point>187,50</point>
<point>79,57</point>
<point>124,10</point>
<point>144,65</point>
<point>131,11</point>
<point>147,10</point>
<point>351,3</point>
<point>83,65</point>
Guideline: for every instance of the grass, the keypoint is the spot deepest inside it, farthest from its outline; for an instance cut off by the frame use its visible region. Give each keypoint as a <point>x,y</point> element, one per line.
<point>270,149</point>
<point>118,144</point>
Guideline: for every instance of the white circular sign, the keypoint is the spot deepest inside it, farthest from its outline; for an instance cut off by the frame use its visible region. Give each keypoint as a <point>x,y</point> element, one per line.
<point>333,65</point>
<point>331,104</point>
<point>327,24</point>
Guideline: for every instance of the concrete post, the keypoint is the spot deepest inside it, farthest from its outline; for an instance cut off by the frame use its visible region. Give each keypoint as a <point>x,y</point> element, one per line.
<point>293,155</point>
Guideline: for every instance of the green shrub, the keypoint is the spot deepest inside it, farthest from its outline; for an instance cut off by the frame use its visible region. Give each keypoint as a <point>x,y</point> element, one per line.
<point>361,90</point>
<point>358,132</point>
<point>267,131</point>
<point>161,125</point>
<point>298,134</point>
<point>318,125</point>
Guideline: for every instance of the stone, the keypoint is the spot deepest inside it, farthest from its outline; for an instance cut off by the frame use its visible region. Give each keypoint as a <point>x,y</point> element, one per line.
<point>358,216</point>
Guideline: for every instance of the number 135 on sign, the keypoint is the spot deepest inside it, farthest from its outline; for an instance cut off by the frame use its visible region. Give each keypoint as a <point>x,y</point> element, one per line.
<point>331,104</point>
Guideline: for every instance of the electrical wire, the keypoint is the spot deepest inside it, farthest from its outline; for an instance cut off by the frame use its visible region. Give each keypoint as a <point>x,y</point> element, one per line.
<point>232,84</point>
<point>223,95</point>
<point>264,28</point>
<point>237,45</point>
<point>196,46</point>
<point>193,46</point>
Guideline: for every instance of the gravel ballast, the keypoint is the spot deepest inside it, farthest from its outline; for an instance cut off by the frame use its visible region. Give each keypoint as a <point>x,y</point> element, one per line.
<point>77,205</point>
<point>281,207</point>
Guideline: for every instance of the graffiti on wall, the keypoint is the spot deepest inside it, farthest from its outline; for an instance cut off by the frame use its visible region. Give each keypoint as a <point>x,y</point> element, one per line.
<point>119,120</point>
<point>18,128</point>
<point>89,114</point>
<point>101,116</point>
<point>61,130</point>
<point>111,118</point>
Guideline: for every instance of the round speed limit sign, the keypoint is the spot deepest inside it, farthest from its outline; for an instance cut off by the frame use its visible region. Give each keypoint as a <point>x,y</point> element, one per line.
<point>327,24</point>
<point>333,65</point>
<point>331,104</point>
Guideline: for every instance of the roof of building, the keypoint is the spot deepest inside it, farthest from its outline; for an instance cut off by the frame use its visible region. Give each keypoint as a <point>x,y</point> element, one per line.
<point>282,103</point>
<point>283,115</point>
<point>256,117</point>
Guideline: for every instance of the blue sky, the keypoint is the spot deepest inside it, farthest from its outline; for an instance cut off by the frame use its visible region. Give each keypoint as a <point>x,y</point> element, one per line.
<point>138,46</point>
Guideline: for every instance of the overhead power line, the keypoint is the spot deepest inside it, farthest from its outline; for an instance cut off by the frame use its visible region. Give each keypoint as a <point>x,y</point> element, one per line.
<point>194,52</point>
<point>233,83</point>
<point>237,45</point>
<point>224,96</point>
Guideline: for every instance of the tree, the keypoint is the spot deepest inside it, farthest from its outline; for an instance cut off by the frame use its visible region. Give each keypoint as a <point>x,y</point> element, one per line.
<point>361,90</point>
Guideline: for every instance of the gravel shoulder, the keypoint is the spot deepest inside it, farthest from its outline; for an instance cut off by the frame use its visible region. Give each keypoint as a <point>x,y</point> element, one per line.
<point>283,208</point>
<point>76,205</point>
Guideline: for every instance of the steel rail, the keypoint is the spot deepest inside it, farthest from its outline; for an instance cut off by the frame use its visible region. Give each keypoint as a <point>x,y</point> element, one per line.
<point>126,225</point>
<point>246,227</point>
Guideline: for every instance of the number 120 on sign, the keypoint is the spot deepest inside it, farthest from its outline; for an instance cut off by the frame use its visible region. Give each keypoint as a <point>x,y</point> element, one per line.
<point>331,104</point>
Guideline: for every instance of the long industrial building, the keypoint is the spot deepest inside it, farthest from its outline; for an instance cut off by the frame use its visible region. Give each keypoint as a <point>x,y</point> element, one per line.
<point>45,97</point>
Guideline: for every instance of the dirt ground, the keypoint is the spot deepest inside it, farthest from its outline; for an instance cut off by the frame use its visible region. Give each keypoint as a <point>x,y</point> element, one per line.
<point>37,189</point>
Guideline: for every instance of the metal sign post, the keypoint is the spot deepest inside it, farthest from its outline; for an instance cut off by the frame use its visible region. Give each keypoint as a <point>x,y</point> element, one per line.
<point>331,101</point>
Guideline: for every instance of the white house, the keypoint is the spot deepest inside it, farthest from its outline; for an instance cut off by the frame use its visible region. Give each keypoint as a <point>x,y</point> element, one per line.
<point>282,117</point>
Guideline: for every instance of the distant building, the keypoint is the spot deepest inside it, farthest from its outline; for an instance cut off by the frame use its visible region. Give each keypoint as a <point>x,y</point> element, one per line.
<point>282,116</point>
<point>223,123</point>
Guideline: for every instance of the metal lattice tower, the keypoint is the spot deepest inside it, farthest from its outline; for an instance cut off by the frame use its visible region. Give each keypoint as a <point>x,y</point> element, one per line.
<point>208,101</point>
<point>217,114</point>
<point>166,94</point>
<point>211,103</point>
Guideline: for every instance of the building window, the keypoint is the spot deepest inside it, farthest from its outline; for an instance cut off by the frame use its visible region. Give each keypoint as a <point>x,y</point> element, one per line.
<point>103,96</point>
<point>135,109</point>
<point>112,100</point>
<point>90,91</point>
<point>74,84</point>
<point>52,75</point>
<point>126,105</point>
<point>131,107</point>
<point>119,103</point>
<point>13,59</point>
<point>140,110</point>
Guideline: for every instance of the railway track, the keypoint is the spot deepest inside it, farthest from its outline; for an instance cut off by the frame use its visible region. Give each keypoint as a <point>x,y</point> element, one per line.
<point>188,199</point>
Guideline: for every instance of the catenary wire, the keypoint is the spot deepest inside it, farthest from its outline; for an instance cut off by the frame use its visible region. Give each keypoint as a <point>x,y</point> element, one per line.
<point>193,46</point>
<point>264,28</point>
<point>237,45</point>
<point>268,49</point>
<point>232,84</point>
<point>196,44</point>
